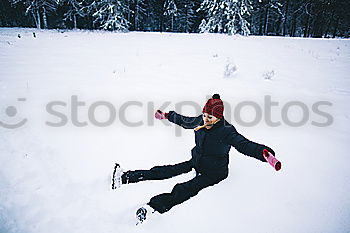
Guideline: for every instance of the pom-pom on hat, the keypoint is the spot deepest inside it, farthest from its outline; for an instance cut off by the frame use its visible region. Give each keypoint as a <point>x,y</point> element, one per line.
<point>214,106</point>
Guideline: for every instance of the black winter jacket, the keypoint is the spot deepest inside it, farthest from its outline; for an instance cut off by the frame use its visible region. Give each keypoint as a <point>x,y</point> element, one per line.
<point>210,155</point>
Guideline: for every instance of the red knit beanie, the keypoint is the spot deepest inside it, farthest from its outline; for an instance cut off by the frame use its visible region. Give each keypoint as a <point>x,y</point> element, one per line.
<point>214,106</point>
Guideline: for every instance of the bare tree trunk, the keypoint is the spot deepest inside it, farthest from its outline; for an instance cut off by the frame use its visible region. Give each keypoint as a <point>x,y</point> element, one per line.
<point>309,30</point>
<point>306,27</point>
<point>285,15</point>
<point>266,21</point>
<point>278,26</point>
<point>75,21</point>
<point>261,23</point>
<point>92,22</point>
<point>149,24</point>
<point>187,20</point>
<point>293,28</point>
<point>44,18</point>
<point>136,15</point>
<point>172,22</point>
<point>251,21</point>
<point>161,21</point>
<point>329,24</point>
<point>38,19</point>
<point>35,19</point>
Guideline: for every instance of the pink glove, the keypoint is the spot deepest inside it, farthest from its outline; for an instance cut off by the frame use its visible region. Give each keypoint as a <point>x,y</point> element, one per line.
<point>161,115</point>
<point>272,160</point>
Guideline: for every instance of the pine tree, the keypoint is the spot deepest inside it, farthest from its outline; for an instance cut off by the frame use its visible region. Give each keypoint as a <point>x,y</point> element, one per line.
<point>226,16</point>
<point>236,13</point>
<point>109,14</point>
<point>185,15</point>
<point>139,14</point>
<point>74,9</point>
<point>215,11</point>
<point>170,10</point>
<point>273,17</point>
<point>308,18</point>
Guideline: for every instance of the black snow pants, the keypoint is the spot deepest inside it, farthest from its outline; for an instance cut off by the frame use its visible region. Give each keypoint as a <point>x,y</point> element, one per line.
<point>182,191</point>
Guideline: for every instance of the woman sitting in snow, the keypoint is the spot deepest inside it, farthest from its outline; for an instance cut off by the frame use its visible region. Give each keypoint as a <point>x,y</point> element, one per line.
<point>210,157</point>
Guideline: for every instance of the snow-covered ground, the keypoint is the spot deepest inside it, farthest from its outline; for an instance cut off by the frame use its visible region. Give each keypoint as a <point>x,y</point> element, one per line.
<point>56,179</point>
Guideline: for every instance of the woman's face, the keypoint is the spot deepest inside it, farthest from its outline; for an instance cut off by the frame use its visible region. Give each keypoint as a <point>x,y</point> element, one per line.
<point>209,119</point>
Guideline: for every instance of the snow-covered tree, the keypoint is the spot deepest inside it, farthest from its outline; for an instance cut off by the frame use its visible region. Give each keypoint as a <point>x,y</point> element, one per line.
<point>215,10</point>
<point>38,9</point>
<point>170,9</point>
<point>236,11</point>
<point>226,16</point>
<point>74,9</point>
<point>109,14</point>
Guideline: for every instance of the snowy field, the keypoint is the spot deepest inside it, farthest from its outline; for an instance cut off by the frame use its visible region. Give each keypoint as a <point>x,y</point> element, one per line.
<point>60,135</point>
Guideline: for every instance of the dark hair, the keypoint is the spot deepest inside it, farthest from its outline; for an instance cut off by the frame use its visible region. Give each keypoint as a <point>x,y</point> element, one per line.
<point>216,96</point>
